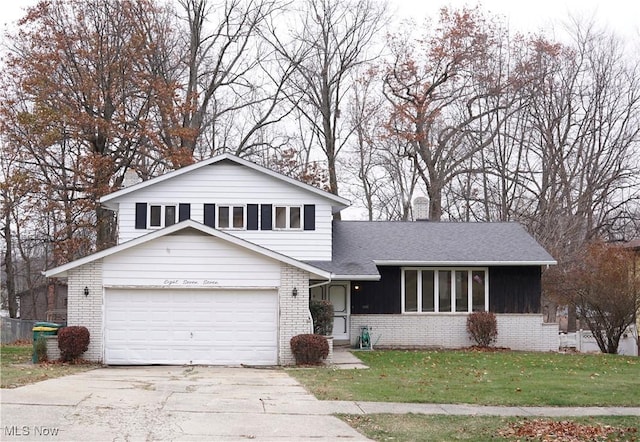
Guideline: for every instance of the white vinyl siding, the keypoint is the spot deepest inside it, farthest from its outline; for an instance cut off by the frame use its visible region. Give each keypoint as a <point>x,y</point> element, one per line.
<point>190,260</point>
<point>229,184</point>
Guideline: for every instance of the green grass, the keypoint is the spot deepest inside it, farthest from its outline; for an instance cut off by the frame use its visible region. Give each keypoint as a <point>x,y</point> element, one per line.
<point>499,378</point>
<point>414,427</point>
<point>16,368</point>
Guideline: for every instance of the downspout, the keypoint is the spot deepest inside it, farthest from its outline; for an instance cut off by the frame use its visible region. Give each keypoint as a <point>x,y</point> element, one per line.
<point>320,284</point>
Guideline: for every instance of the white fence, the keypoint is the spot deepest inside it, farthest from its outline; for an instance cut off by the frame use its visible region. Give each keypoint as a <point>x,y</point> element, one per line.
<point>584,342</point>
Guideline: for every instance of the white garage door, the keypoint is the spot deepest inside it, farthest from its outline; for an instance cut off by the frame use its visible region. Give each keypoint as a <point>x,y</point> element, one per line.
<point>191,327</point>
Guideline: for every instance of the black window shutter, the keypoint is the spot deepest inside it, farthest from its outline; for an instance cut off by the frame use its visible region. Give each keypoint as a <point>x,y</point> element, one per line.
<point>265,215</point>
<point>252,217</point>
<point>184,211</point>
<point>210,215</point>
<point>141,215</point>
<point>309,217</point>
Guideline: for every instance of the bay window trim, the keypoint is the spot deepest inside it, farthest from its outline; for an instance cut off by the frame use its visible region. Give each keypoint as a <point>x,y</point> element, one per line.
<point>436,289</point>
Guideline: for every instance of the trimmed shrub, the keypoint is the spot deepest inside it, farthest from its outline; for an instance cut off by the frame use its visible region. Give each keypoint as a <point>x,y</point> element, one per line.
<point>72,342</point>
<point>322,314</point>
<point>41,349</point>
<point>482,328</point>
<point>309,349</point>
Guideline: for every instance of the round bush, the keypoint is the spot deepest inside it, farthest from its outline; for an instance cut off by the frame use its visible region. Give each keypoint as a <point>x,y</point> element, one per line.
<point>482,328</point>
<point>72,342</point>
<point>309,349</point>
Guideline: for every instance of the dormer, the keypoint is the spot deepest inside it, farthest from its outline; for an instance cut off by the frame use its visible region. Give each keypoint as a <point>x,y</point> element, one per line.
<point>235,196</point>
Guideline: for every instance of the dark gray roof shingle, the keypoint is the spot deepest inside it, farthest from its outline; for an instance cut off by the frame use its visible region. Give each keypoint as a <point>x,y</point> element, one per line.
<point>358,245</point>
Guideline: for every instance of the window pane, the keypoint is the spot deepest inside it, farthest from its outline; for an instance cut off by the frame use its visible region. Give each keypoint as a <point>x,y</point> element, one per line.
<point>294,216</point>
<point>411,291</point>
<point>238,217</point>
<point>444,290</point>
<point>316,292</point>
<point>281,217</point>
<point>462,291</point>
<point>169,215</point>
<point>154,221</point>
<point>223,217</point>
<point>477,287</point>
<point>427,291</point>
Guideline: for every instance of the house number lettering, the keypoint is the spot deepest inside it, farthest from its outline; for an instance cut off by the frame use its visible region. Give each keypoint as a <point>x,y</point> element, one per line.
<point>189,282</point>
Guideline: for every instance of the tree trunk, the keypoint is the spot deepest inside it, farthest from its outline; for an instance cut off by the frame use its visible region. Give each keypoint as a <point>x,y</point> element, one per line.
<point>8,263</point>
<point>435,202</point>
<point>571,319</point>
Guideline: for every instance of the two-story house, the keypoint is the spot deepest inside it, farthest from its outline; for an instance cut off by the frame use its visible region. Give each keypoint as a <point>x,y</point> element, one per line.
<point>216,262</point>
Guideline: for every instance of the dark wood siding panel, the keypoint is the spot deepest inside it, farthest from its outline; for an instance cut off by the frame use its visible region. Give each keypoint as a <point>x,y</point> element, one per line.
<point>210,215</point>
<point>378,297</point>
<point>265,217</point>
<point>141,215</point>
<point>184,212</point>
<point>252,217</point>
<point>515,289</point>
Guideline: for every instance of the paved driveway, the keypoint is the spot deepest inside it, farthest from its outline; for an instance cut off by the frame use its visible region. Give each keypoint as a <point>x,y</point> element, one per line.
<point>169,403</point>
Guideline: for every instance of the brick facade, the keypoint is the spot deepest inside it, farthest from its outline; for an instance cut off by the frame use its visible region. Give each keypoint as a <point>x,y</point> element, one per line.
<point>294,311</point>
<point>53,351</point>
<point>87,310</point>
<point>515,331</point>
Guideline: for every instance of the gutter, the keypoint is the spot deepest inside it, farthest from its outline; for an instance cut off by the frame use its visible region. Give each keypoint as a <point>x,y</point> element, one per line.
<point>320,284</point>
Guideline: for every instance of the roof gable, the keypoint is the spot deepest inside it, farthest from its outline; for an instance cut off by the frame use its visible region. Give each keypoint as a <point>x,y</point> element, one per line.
<point>337,201</point>
<point>177,229</point>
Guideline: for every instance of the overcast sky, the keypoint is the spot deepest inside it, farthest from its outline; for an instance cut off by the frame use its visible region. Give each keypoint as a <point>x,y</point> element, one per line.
<point>523,15</point>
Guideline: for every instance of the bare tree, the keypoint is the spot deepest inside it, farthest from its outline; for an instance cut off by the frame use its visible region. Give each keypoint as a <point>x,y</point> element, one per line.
<point>331,41</point>
<point>233,79</point>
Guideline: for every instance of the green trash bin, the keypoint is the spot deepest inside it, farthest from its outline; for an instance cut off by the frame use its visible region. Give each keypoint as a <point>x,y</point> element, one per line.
<point>42,329</point>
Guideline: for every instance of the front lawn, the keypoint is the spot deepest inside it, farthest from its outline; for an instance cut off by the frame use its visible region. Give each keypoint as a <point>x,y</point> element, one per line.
<point>498,378</point>
<point>415,427</point>
<point>16,368</point>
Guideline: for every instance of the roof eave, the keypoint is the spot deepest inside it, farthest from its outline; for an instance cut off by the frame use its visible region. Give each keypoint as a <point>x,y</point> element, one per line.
<point>356,277</point>
<point>464,263</point>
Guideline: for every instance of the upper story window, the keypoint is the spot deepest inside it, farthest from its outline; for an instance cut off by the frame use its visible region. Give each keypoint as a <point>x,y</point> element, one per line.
<point>287,217</point>
<point>231,217</point>
<point>259,216</point>
<point>444,290</point>
<point>161,215</point>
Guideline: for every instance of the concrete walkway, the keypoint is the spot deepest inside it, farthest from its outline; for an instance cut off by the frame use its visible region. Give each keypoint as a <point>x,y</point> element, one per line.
<point>343,359</point>
<point>357,407</point>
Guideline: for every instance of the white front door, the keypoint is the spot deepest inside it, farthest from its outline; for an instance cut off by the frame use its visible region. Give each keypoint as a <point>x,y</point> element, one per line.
<point>338,294</point>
